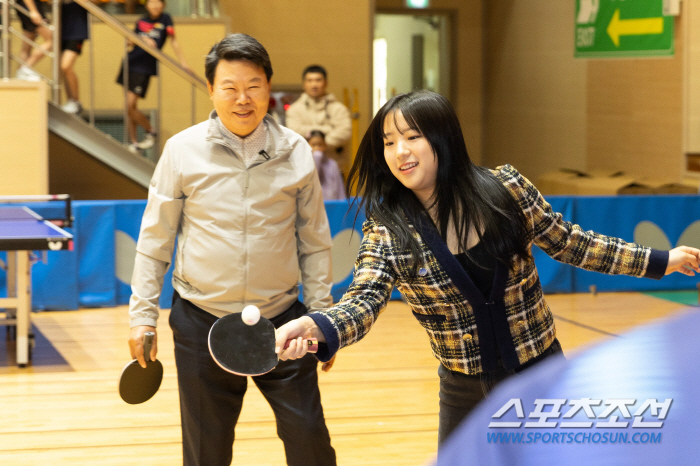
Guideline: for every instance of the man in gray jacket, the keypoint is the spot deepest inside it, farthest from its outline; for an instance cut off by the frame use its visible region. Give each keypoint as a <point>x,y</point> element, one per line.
<point>241,196</point>
<point>315,109</point>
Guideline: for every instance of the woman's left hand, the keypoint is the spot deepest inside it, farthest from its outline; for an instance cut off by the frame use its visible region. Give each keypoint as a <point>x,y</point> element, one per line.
<point>683,259</point>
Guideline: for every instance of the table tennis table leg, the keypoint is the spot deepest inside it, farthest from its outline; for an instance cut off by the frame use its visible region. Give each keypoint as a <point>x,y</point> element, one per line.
<point>20,262</point>
<point>24,306</point>
<point>11,279</point>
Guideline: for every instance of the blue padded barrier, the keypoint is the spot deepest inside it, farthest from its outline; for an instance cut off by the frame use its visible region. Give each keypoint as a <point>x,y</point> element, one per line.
<point>98,271</point>
<point>660,219</point>
<point>127,225</point>
<point>95,227</point>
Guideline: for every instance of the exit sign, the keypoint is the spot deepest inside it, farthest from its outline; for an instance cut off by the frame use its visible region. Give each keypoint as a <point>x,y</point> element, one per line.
<point>619,28</point>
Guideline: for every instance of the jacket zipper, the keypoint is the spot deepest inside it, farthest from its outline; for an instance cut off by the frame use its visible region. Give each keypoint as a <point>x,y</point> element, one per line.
<point>245,235</point>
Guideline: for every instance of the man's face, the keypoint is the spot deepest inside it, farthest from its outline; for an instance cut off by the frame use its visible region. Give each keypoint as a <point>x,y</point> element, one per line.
<point>241,95</point>
<point>314,85</point>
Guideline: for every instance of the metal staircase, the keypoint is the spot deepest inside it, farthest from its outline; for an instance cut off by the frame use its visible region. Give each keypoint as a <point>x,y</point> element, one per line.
<point>102,146</point>
<point>82,133</point>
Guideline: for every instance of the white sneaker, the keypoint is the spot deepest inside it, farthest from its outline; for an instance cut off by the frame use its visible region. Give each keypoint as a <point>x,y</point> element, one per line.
<point>72,106</point>
<point>133,147</point>
<point>27,74</point>
<point>148,142</point>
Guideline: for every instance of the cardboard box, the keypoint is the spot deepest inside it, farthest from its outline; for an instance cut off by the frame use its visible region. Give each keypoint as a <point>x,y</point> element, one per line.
<point>647,185</point>
<point>600,182</point>
<point>556,182</point>
<point>692,182</point>
<point>602,186</point>
<point>568,181</point>
<point>685,186</point>
<point>642,186</point>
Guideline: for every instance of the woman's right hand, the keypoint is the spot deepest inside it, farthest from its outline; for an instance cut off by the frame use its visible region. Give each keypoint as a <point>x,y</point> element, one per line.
<point>683,259</point>
<point>296,331</point>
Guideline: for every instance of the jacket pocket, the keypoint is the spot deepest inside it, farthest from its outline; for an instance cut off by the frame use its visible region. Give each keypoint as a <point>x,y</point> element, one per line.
<point>534,292</point>
<point>212,266</point>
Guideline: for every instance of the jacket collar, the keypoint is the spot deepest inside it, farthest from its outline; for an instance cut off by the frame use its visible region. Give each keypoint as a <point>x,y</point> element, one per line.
<point>310,102</point>
<point>277,142</point>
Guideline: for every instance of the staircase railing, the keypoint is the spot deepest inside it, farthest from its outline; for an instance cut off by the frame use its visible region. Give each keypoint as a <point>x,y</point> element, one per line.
<point>129,37</point>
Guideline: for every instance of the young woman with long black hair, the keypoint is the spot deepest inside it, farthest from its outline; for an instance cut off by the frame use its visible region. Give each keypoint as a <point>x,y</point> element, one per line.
<point>455,238</point>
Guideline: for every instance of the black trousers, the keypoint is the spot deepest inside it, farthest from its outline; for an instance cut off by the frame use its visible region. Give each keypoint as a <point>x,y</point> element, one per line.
<point>211,398</point>
<point>460,393</point>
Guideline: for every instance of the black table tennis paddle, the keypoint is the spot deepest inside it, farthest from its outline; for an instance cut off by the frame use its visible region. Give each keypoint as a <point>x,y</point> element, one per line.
<point>137,384</point>
<point>244,349</point>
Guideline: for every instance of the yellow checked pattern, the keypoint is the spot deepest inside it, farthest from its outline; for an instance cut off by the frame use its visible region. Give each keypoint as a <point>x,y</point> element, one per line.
<point>446,314</point>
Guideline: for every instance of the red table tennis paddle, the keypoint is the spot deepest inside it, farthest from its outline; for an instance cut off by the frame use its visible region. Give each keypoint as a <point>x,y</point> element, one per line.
<point>137,384</point>
<point>244,349</point>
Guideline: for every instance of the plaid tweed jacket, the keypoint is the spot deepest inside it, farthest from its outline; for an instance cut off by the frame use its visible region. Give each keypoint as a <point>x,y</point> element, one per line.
<point>448,305</point>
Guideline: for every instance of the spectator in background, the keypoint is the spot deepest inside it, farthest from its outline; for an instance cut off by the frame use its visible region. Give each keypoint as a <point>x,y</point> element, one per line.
<point>318,110</point>
<point>33,25</point>
<point>154,28</point>
<point>328,171</point>
<point>74,32</point>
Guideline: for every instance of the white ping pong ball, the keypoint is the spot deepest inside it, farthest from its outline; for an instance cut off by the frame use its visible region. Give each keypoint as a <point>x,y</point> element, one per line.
<point>250,315</point>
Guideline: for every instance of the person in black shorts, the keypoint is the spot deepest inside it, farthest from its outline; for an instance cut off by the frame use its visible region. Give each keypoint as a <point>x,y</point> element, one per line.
<point>74,31</point>
<point>33,25</point>
<point>154,28</point>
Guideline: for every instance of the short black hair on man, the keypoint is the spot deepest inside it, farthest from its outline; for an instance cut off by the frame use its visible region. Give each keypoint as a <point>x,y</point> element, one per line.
<point>314,69</point>
<point>237,47</point>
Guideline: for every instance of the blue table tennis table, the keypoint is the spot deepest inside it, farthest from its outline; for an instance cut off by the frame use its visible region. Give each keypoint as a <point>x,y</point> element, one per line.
<point>22,231</point>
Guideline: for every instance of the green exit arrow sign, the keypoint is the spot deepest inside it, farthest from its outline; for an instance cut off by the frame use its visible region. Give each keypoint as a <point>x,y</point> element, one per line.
<point>619,28</point>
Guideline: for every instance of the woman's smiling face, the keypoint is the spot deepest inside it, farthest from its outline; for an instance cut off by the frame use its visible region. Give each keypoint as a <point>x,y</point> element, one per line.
<point>410,157</point>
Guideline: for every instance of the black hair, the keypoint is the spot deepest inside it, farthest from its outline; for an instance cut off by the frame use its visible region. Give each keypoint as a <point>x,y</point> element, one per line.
<point>314,69</point>
<point>237,47</point>
<point>314,133</point>
<point>470,195</point>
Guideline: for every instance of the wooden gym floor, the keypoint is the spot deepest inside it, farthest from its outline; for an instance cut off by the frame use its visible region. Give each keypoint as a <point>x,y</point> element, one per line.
<point>380,398</point>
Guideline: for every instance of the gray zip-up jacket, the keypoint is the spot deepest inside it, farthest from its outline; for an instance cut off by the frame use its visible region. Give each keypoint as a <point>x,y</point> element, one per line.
<point>244,235</point>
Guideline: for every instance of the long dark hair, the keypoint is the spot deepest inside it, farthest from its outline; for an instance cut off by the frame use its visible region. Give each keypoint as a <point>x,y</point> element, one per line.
<point>468,194</point>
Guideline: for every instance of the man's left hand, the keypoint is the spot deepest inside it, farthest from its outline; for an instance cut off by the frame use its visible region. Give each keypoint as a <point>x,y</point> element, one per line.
<point>327,365</point>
